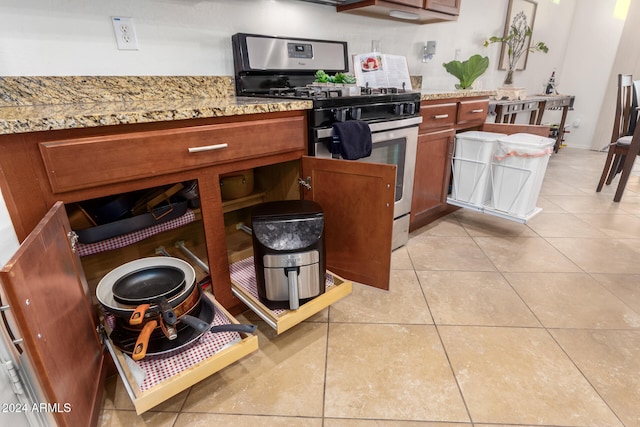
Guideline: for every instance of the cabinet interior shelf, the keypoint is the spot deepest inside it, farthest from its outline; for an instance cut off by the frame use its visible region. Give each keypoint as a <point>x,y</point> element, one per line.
<point>127,239</point>
<point>243,202</point>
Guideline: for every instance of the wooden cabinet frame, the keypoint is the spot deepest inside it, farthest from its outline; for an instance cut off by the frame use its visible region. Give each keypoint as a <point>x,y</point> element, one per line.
<point>429,11</point>
<point>441,120</point>
<point>356,253</point>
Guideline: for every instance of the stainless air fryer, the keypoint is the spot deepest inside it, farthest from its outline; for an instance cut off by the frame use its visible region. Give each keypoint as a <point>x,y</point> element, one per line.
<point>289,254</point>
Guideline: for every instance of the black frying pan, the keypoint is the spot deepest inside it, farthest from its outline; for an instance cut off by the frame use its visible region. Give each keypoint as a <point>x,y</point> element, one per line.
<point>158,345</point>
<point>148,284</point>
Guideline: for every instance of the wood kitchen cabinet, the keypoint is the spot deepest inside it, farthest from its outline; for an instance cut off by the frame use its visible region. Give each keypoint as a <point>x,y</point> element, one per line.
<point>74,165</point>
<point>413,3</point>
<point>409,11</point>
<point>51,303</point>
<point>451,7</point>
<point>357,200</point>
<point>45,169</point>
<point>441,119</point>
<point>64,167</point>
<point>431,180</point>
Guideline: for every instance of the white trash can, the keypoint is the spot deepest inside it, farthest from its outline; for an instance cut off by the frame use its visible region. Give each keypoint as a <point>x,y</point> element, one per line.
<point>518,168</point>
<point>472,166</point>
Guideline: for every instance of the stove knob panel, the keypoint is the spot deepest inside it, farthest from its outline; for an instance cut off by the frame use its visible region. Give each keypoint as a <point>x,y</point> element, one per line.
<point>398,109</point>
<point>340,114</point>
<point>356,113</point>
<point>410,108</point>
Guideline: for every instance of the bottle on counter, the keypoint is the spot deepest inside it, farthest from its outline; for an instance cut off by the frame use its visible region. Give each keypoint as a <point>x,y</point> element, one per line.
<point>551,85</point>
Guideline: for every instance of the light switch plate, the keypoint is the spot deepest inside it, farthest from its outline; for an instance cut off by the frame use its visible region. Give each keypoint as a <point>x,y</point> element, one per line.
<point>431,47</point>
<point>125,33</point>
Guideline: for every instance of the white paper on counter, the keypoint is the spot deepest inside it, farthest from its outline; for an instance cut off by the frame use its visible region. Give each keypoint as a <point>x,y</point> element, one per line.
<point>380,70</point>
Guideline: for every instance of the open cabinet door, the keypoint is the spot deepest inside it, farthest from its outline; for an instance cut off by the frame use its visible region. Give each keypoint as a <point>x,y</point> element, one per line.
<point>51,306</point>
<point>357,199</point>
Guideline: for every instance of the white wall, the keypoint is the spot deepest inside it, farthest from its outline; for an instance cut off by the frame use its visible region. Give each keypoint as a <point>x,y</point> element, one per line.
<point>627,61</point>
<point>590,53</point>
<point>182,37</point>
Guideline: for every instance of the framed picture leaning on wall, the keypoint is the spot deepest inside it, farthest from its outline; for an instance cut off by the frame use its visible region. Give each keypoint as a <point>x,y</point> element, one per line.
<point>528,10</point>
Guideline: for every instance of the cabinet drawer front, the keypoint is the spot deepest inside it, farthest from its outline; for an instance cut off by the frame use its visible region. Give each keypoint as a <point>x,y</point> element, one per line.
<point>87,162</point>
<point>473,111</point>
<point>437,116</point>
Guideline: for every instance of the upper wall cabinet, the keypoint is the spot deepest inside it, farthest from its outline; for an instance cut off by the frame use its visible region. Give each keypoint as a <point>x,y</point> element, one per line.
<point>413,11</point>
<point>451,7</point>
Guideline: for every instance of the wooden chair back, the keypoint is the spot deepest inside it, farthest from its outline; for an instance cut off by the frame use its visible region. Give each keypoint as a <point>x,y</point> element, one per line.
<point>625,137</point>
<point>624,108</point>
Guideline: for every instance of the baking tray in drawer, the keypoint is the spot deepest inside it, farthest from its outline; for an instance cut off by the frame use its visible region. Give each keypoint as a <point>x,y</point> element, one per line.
<point>243,286</point>
<point>164,377</point>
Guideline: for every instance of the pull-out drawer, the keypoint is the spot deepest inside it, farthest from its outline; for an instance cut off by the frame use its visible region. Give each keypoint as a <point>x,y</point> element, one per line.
<point>472,111</point>
<point>151,381</point>
<point>437,116</point>
<point>87,162</point>
<point>243,282</point>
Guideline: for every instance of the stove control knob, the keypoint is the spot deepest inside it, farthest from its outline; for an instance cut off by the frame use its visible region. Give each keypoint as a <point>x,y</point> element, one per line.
<point>398,109</point>
<point>410,108</point>
<point>340,114</point>
<point>356,113</point>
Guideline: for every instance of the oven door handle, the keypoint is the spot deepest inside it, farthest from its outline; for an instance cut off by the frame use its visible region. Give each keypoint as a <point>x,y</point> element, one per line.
<point>377,127</point>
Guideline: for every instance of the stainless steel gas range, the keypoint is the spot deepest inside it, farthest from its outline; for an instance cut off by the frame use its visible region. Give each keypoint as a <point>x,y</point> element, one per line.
<point>268,66</point>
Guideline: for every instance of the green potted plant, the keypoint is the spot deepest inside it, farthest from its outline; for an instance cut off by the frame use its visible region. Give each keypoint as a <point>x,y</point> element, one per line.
<point>516,44</point>
<point>467,71</point>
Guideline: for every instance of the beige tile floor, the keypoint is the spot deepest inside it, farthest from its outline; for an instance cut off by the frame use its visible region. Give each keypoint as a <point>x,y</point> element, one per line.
<point>488,323</point>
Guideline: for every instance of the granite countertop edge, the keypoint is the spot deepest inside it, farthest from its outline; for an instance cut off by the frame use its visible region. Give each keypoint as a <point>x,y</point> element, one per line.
<point>47,103</point>
<point>34,118</point>
<point>430,95</point>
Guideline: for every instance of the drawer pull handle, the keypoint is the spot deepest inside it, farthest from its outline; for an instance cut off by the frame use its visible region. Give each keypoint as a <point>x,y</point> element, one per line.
<point>440,116</point>
<point>207,148</point>
<point>479,110</point>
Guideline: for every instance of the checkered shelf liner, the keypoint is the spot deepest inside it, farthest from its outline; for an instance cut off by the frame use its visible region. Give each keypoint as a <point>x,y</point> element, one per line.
<point>127,239</point>
<point>244,274</point>
<point>159,368</point>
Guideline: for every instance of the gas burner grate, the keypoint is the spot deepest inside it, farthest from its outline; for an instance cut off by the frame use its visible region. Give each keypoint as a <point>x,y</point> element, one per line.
<point>383,90</point>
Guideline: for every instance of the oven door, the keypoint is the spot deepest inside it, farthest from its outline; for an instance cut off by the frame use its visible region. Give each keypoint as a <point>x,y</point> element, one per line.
<point>394,142</point>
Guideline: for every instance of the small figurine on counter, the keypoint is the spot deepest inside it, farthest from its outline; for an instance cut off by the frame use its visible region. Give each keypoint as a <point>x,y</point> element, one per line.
<point>551,85</point>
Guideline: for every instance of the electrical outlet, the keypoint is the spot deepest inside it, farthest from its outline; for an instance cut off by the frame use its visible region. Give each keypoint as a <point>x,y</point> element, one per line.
<point>431,47</point>
<point>125,33</point>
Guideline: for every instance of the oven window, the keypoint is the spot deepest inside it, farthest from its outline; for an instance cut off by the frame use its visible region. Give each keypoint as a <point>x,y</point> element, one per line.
<point>391,152</point>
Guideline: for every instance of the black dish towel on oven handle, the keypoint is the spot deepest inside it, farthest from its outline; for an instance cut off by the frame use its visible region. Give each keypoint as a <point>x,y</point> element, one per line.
<point>352,139</point>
